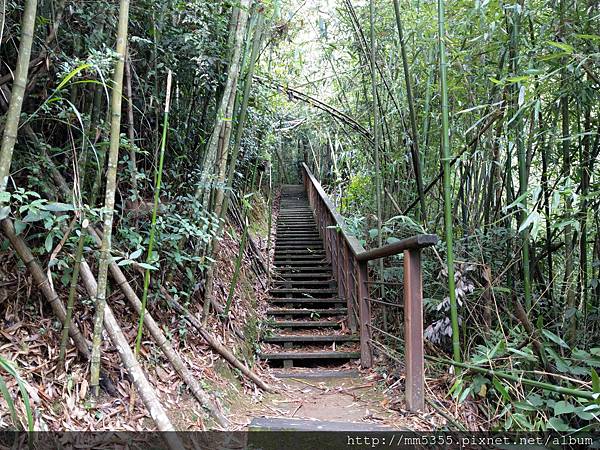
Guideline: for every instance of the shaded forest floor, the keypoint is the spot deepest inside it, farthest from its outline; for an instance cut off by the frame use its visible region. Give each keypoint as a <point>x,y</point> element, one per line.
<point>30,336</point>
<point>361,398</point>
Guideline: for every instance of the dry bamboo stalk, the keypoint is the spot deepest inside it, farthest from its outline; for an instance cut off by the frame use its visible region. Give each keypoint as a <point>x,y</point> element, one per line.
<point>114,331</point>
<point>160,339</point>
<point>111,187</point>
<point>133,367</point>
<point>62,186</point>
<point>222,350</point>
<point>43,285</point>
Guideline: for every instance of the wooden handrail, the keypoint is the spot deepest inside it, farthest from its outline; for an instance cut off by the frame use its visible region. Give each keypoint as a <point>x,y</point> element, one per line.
<point>349,262</point>
<point>353,243</point>
<point>411,243</point>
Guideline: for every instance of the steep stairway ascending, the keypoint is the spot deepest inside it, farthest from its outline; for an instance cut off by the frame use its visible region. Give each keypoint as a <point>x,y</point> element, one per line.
<point>305,312</point>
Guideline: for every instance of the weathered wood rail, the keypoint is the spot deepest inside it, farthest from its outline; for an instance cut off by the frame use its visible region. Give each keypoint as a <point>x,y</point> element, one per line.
<point>350,268</point>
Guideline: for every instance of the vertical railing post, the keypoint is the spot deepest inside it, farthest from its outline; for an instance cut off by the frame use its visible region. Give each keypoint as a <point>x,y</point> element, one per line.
<point>340,261</point>
<point>413,330</point>
<point>349,287</point>
<point>364,308</point>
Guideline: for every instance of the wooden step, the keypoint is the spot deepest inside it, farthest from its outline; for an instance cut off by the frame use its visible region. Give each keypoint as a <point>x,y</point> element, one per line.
<point>300,251</point>
<point>319,264</point>
<point>307,440</point>
<point>311,275</point>
<point>307,300</point>
<point>305,324</point>
<point>302,291</point>
<point>284,271</point>
<point>295,217</point>
<point>306,233</point>
<point>296,257</point>
<point>292,283</point>
<point>306,312</point>
<point>309,355</point>
<point>310,338</point>
<point>298,244</point>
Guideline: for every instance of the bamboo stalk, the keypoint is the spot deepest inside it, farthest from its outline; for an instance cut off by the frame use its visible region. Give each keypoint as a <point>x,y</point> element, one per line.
<point>518,379</point>
<point>131,130</point>
<point>222,350</point>
<point>13,115</point>
<point>412,115</point>
<point>109,201</point>
<point>445,147</point>
<point>138,378</point>
<point>522,159</point>
<point>72,294</point>
<point>159,172</point>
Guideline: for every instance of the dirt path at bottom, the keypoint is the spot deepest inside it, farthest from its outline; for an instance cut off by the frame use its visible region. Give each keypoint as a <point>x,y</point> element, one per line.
<point>344,399</point>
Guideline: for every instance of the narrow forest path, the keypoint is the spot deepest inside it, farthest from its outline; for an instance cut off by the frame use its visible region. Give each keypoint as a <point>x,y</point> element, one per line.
<point>307,316</point>
<point>341,396</point>
<point>312,353</point>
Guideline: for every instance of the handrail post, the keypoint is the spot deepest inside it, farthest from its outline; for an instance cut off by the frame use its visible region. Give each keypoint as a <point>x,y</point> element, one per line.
<point>413,330</point>
<point>348,292</point>
<point>364,308</point>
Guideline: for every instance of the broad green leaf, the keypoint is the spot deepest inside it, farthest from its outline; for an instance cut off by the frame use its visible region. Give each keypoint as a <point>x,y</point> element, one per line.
<point>19,227</point>
<point>58,207</point>
<point>580,354</point>
<point>136,254</point>
<point>527,356</point>
<point>464,394</point>
<point>593,37</point>
<point>48,243</point>
<point>35,216</point>
<point>555,423</point>
<point>525,406</point>
<point>147,266</point>
<point>561,364</point>
<point>71,74</point>
<point>554,338</point>
<point>531,219</point>
<point>562,46</point>
<point>9,402</point>
<point>563,407</point>
<point>595,380</point>
<point>517,79</point>
<point>500,388</point>
<point>535,400</point>
<point>4,212</point>
<point>522,421</point>
<point>581,412</point>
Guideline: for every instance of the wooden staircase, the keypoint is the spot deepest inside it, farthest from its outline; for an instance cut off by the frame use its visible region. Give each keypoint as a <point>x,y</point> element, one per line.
<point>305,311</point>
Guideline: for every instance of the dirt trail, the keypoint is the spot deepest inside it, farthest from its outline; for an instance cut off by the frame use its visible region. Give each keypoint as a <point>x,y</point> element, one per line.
<point>343,398</point>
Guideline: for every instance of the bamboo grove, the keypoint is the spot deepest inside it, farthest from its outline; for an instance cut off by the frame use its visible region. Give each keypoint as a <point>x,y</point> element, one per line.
<point>135,133</point>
